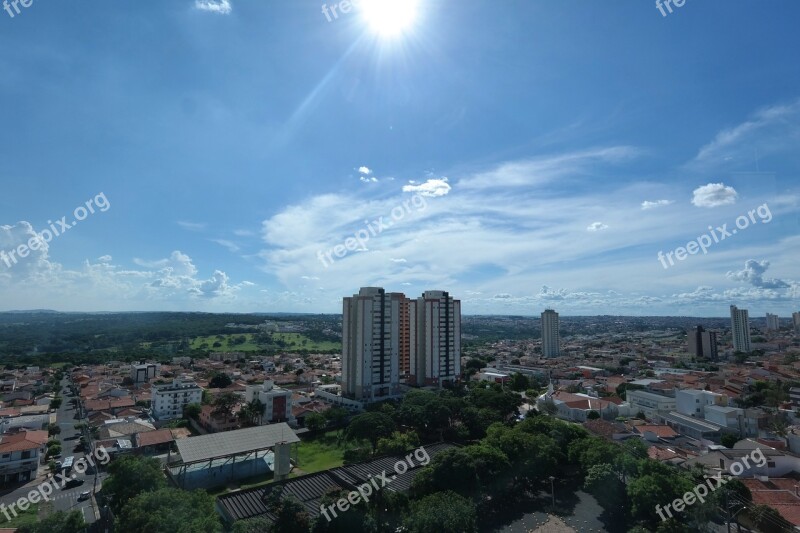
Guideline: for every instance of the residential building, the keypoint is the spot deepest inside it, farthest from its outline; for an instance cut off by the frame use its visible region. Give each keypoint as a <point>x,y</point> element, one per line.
<point>796,321</point>
<point>371,344</point>
<point>693,402</point>
<point>169,399</point>
<point>740,329</point>
<point>794,396</point>
<point>435,332</point>
<point>216,422</point>
<point>144,372</point>
<point>740,421</point>
<point>702,343</point>
<point>277,402</point>
<point>648,402</point>
<point>551,338</point>
<point>20,454</point>
<point>773,322</point>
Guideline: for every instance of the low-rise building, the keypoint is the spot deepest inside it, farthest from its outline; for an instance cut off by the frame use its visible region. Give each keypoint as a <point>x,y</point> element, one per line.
<point>649,403</point>
<point>20,455</point>
<point>277,402</point>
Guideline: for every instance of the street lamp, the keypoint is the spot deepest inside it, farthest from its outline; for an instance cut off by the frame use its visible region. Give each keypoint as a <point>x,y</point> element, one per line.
<point>553,491</point>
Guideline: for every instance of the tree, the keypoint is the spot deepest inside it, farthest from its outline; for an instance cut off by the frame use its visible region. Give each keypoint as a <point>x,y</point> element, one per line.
<point>253,525</point>
<point>519,382</point>
<point>192,410</point>
<point>251,413</point>
<point>130,476</point>
<point>57,522</point>
<point>219,381</point>
<point>315,422</point>
<point>169,510</point>
<point>55,403</point>
<point>53,450</point>
<point>729,440</point>
<point>398,443</point>
<point>53,429</point>
<point>371,427</point>
<point>768,520</point>
<point>336,416</point>
<point>593,415</point>
<point>290,515</point>
<point>443,511</point>
<point>225,403</point>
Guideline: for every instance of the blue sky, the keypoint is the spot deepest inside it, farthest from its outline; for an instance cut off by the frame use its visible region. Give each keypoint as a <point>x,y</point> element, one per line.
<point>511,146</point>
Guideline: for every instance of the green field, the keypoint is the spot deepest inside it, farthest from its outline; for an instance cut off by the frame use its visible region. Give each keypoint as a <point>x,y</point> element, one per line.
<point>321,453</point>
<point>226,343</point>
<point>291,342</point>
<point>23,518</point>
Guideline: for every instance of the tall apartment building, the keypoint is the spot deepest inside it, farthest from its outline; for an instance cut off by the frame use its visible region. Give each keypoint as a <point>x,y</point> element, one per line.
<point>144,372</point>
<point>773,322</point>
<point>405,337</point>
<point>702,343</point>
<point>170,399</point>
<point>551,338</point>
<point>371,344</point>
<point>740,329</point>
<point>796,321</point>
<point>435,334</point>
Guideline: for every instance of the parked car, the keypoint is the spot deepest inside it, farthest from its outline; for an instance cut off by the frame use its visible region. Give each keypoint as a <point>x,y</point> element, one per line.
<point>84,495</point>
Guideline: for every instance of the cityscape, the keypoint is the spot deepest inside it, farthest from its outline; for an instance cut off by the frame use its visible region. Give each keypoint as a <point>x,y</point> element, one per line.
<point>399,266</point>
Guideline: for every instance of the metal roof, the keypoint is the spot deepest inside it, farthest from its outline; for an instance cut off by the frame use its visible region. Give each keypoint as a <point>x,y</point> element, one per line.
<point>206,447</point>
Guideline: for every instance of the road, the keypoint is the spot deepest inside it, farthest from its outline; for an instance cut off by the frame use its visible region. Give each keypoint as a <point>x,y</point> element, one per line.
<point>62,499</point>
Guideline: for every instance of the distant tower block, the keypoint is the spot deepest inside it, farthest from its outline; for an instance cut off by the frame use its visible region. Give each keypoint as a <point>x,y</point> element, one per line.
<point>283,464</point>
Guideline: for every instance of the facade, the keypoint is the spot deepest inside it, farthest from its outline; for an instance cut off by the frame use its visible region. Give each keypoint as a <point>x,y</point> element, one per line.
<point>435,333</point>
<point>773,322</point>
<point>20,454</point>
<point>551,339</point>
<point>740,329</point>
<point>796,321</point>
<point>649,403</point>
<point>371,344</point>
<point>169,400</point>
<point>702,343</point>
<point>144,372</point>
<point>277,402</point>
<point>216,422</point>
<point>693,402</point>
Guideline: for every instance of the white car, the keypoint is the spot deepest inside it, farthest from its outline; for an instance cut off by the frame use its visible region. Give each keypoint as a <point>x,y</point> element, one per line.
<point>84,495</point>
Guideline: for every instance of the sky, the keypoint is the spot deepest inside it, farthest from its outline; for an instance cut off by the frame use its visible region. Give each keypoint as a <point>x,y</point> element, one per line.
<point>275,156</point>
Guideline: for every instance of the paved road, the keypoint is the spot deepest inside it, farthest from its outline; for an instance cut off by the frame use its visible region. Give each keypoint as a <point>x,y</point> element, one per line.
<point>62,499</point>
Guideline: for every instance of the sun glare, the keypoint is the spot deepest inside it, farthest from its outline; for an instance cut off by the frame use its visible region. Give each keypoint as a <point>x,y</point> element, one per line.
<point>390,18</point>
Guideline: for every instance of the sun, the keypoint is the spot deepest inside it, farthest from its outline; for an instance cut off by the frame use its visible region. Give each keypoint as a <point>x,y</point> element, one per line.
<point>390,18</point>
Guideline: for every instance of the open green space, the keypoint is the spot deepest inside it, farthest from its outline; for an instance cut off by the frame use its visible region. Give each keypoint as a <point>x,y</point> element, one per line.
<point>298,341</point>
<point>22,518</point>
<point>322,452</point>
<point>227,343</point>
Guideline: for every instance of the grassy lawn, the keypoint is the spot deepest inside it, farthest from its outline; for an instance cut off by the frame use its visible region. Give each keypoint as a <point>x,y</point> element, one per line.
<point>226,343</point>
<point>294,341</point>
<point>321,453</point>
<point>23,518</point>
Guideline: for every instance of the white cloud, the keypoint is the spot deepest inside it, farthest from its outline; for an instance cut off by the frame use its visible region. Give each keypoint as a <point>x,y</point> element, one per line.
<point>753,273</point>
<point>714,195</point>
<point>222,7</point>
<point>652,205</point>
<point>398,260</point>
<point>433,187</point>
<point>231,246</point>
<point>370,179</point>
<point>365,170</point>
<point>192,226</point>
<point>104,258</point>
<point>597,226</point>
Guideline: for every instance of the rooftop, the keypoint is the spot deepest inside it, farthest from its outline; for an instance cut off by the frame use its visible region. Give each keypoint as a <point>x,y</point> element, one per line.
<point>206,447</point>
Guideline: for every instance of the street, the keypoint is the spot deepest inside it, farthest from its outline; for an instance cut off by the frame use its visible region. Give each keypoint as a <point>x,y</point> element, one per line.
<point>63,499</point>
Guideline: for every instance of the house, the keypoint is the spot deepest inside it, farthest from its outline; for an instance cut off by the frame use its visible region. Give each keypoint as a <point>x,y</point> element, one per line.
<point>20,455</point>
<point>217,422</point>
<point>153,442</point>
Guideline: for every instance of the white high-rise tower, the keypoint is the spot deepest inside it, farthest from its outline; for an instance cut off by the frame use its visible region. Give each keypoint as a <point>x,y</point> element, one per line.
<point>551,338</point>
<point>740,329</point>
